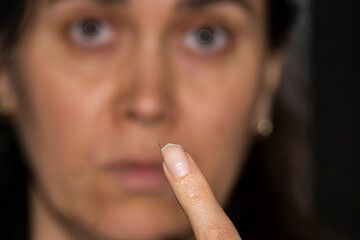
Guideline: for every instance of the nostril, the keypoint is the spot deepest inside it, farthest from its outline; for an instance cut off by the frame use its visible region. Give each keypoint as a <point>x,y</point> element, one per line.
<point>145,119</point>
<point>131,114</point>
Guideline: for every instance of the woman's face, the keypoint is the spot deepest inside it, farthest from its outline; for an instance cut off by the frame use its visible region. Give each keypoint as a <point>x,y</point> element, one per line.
<point>98,83</point>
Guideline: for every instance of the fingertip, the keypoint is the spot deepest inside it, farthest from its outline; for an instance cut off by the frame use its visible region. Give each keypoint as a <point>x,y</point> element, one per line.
<point>175,159</point>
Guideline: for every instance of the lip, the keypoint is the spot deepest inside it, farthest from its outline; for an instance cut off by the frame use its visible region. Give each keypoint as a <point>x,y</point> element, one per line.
<point>138,174</point>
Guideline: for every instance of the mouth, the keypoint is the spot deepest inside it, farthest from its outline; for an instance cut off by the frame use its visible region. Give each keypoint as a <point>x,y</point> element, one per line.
<point>138,174</point>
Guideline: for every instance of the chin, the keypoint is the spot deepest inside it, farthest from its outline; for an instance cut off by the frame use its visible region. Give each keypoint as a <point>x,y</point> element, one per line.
<point>143,219</point>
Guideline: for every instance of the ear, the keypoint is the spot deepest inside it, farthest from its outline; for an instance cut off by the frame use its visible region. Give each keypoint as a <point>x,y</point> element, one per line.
<point>8,103</point>
<point>268,88</point>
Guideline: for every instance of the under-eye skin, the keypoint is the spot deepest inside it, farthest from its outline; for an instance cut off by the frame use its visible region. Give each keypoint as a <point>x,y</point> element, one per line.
<point>91,33</point>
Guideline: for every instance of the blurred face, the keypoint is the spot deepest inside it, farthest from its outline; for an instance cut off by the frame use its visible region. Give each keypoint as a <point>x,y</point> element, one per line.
<point>98,83</point>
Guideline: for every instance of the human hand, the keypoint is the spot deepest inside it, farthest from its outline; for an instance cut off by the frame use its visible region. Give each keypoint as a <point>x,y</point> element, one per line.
<point>207,218</point>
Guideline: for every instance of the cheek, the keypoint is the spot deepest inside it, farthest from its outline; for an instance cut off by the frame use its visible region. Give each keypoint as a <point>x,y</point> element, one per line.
<point>57,109</point>
<point>64,94</point>
<point>217,130</point>
<point>217,105</point>
<point>55,129</point>
<point>66,114</point>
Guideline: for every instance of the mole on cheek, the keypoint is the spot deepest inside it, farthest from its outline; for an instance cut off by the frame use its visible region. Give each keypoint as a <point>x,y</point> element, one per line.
<point>77,172</point>
<point>219,126</point>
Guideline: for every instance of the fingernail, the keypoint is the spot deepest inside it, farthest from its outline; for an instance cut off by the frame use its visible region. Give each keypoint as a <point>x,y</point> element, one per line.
<point>175,159</point>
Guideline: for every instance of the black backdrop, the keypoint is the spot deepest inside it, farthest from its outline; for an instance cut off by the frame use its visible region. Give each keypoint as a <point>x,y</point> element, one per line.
<point>335,78</point>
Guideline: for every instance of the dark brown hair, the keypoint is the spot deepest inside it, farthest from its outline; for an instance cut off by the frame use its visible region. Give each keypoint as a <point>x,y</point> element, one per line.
<point>272,198</point>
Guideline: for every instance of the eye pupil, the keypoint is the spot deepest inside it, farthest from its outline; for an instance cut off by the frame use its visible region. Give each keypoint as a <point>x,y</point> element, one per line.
<point>205,36</point>
<point>91,28</point>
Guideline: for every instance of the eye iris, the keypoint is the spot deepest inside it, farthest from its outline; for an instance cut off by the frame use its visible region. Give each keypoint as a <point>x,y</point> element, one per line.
<point>91,28</point>
<point>205,36</point>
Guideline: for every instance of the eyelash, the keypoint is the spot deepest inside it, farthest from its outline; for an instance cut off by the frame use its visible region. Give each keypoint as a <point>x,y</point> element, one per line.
<point>207,39</point>
<point>201,39</point>
<point>91,32</point>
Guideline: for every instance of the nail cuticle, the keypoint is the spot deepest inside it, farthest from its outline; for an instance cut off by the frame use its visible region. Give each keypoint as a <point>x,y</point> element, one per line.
<point>170,144</point>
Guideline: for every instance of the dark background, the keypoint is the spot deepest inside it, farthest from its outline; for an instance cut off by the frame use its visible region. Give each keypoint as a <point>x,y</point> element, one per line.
<point>335,77</point>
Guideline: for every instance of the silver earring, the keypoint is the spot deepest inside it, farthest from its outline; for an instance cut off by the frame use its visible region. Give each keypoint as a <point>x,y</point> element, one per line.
<point>264,127</point>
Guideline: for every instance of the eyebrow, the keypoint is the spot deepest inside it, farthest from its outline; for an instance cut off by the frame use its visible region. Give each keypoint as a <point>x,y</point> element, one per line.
<point>122,2</point>
<point>197,4</point>
<point>182,4</point>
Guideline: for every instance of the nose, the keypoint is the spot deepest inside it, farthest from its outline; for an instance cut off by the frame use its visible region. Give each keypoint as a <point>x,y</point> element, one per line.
<point>152,94</point>
<point>147,106</point>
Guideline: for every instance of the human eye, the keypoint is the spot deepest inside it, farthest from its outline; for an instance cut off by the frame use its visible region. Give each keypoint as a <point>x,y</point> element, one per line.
<point>91,32</point>
<point>206,39</point>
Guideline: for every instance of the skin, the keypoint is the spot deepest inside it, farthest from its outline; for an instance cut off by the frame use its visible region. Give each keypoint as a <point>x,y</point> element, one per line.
<point>79,104</point>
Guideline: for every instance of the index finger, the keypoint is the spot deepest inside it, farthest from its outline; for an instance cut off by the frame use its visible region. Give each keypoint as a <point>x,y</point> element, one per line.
<point>207,218</point>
